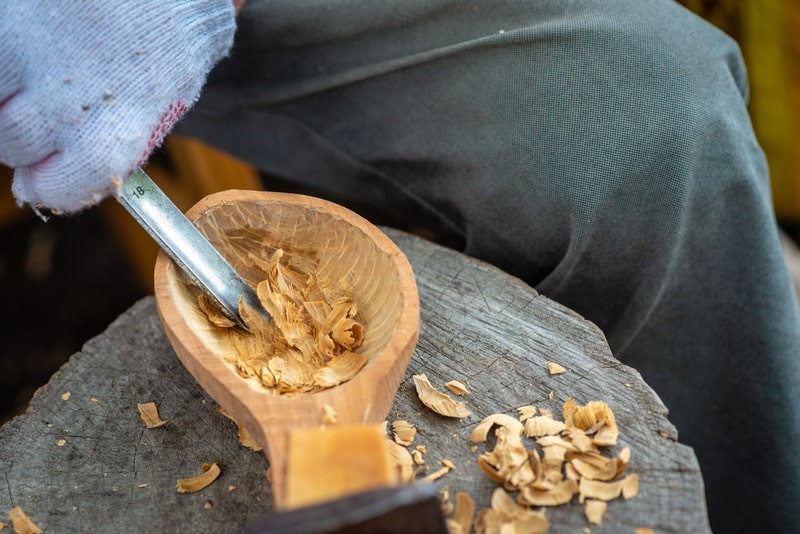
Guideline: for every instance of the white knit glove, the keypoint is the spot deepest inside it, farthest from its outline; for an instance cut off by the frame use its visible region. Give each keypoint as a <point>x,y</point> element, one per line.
<point>88,88</point>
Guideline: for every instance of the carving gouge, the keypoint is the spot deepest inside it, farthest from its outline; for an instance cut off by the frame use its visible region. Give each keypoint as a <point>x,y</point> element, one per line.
<point>186,246</point>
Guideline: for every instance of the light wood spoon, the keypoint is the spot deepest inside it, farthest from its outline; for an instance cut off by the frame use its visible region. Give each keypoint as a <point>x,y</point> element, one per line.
<point>346,247</point>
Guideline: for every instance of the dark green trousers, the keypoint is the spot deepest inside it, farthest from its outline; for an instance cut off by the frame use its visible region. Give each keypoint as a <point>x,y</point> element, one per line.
<point>599,150</point>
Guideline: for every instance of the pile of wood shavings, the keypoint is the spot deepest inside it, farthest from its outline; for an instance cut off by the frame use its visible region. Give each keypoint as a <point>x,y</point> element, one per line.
<point>570,463</point>
<point>309,343</point>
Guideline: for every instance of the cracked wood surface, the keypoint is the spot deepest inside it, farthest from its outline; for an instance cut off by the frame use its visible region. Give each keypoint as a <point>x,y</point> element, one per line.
<point>479,326</point>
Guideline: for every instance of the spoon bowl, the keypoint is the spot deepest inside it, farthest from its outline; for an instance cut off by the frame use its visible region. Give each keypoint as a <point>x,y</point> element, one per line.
<point>346,248</point>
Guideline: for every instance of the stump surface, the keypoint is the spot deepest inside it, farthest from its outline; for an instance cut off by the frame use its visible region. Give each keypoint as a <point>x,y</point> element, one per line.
<point>479,326</point>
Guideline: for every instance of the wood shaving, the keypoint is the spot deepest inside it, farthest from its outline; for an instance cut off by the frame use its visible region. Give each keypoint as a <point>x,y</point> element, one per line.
<point>464,512</point>
<point>555,369</point>
<point>481,432</point>
<point>403,432</point>
<point>309,344</point>
<point>646,530</point>
<point>560,493</point>
<point>149,414</point>
<point>594,511</point>
<point>526,412</point>
<point>402,460</point>
<point>196,483</point>
<point>61,442</point>
<point>437,401</point>
<point>607,491</point>
<point>21,523</point>
<point>542,425</point>
<point>416,455</point>
<point>66,396</point>
<point>507,516</point>
<point>456,388</point>
<point>447,507</point>
<point>436,475</point>
<point>213,313</point>
<point>245,438</point>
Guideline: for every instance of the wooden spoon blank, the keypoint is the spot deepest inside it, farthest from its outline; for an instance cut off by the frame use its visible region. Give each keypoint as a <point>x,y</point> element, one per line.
<point>346,247</point>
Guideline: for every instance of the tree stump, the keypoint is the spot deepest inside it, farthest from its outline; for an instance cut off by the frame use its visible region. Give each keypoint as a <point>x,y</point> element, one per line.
<point>81,459</point>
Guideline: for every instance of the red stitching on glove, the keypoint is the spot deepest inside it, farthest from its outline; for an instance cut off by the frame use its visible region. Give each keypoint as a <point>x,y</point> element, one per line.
<point>168,119</point>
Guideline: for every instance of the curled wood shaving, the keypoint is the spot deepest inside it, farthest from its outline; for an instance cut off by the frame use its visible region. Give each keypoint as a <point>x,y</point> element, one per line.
<point>436,475</point>
<point>526,412</point>
<point>627,487</point>
<point>149,414</point>
<point>66,396</point>
<point>555,369</point>
<point>456,388</point>
<point>465,511</point>
<point>594,466</point>
<point>630,486</point>
<point>403,432</point>
<point>541,425</point>
<point>213,313</point>
<point>453,527</point>
<point>402,460</point>
<point>437,401</point>
<point>594,511</point>
<point>21,523</point>
<point>196,483</point>
<point>481,432</point>
<point>416,455</point>
<point>560,493</point>
<point>447,506</point>
<point>507,516</point>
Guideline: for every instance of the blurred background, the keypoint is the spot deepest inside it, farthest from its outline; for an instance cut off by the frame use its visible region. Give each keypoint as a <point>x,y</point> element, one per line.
<point>64,281</point>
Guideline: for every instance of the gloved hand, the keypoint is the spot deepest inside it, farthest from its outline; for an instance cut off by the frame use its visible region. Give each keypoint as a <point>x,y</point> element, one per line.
<point>88,88</point>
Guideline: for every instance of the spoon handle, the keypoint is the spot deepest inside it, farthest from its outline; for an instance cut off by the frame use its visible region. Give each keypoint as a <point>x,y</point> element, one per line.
<point>186,246</point>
